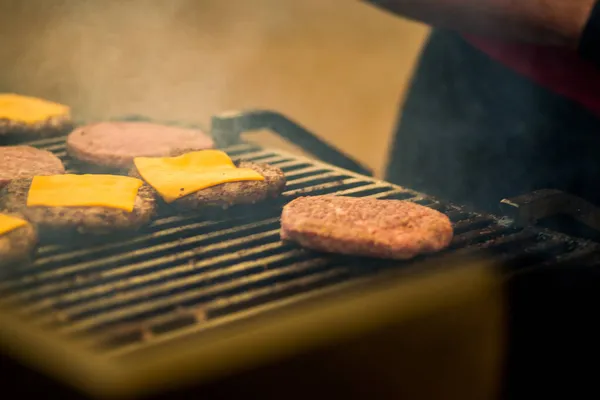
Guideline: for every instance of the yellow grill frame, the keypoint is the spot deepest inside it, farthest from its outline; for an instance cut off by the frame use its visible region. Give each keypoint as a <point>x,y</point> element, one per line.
<point>468,290</point>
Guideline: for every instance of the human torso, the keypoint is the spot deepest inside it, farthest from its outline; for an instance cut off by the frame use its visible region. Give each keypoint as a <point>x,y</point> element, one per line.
<point>560,70</point>
<point>475,130</point>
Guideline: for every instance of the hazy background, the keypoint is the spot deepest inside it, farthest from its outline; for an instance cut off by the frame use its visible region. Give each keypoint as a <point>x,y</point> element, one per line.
<point>337,66</point>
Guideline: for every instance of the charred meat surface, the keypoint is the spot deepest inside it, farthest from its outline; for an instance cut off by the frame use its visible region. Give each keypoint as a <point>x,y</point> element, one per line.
<point>393,229</point>
<point>85,220</point>
<point>29,118</point>
<point>17,246</point>
<point>234,193</point>
<point>19,162</point>
<point>114,145</point>
<point>20,131</point>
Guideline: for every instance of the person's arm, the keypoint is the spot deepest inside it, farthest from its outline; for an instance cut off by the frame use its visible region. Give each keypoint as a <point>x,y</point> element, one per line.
<point>552,22</point>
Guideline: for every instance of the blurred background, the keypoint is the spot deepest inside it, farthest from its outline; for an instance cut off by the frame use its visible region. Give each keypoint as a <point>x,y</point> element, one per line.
<point>338,67</point>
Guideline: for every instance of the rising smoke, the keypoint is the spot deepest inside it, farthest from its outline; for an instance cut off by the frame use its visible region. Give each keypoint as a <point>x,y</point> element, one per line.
<point>171,59</point>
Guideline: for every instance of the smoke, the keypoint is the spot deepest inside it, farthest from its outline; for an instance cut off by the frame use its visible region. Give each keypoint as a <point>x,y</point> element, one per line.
<point>172,59</point>
<point>338,67</point>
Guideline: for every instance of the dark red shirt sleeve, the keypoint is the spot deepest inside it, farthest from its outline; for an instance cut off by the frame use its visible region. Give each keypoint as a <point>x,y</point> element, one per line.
<point>561,70</point>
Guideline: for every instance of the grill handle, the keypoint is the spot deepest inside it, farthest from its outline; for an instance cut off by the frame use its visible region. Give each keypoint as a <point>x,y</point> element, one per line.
<point>228,127</point>
<point>540,204</point>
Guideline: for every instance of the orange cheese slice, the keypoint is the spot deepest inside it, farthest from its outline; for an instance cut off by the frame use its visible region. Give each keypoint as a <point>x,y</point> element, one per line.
<point>69,190</point>
<point>175,177</point>
<point>30,110</point>
<point>9,224</point>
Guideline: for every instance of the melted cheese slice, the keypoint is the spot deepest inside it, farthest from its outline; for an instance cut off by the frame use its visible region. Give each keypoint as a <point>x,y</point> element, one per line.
<point>69,190</point>
<point>9,224</point>
<point>30,110</point>
<point>175,177</point>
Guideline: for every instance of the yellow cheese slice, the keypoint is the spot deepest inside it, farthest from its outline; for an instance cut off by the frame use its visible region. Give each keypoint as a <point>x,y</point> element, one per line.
<point>30,110</point>
<point>69,190</point>
<point>175,177</point>
<point>9,224</point>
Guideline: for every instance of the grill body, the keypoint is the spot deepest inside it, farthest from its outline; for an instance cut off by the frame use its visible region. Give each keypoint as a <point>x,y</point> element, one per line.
<point>106,316</point>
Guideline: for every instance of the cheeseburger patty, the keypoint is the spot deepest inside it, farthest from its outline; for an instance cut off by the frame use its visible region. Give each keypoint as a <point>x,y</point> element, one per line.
<point>53,126</point>
<point>17,246</point>
<point>234,193</point>
<point>87,220</point>
<point>391,229</point>
<point>17,162</point>
<point>24,117</point>
<point>114,145</point>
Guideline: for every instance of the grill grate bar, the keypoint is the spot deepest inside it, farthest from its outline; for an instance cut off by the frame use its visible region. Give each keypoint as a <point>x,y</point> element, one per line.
<point>95,271</point>
<point>255,297</point>
<point>253,154</point>
<point>579,257</point>
<point>287,169</point>
<point>243,300</point>
<point>535,254</point>
<point>303,172</point>
<point>148,252</point>
<point>54,146</point>
<point>356,186</point>
<point>473,224</point>
<point>273,159</point>
<point>472,238</point>
<point>502,243</point>
<point>58,143</point>
<point>327,175</point>
<point>130,338</point>
<point>388,194</point>
<point>180,272</point>
<point>122,299</point>
<point>55,254</point>
<point>189,273</point>
<point>34,279</point>
<point>160,227</point>
<point>152,306</point>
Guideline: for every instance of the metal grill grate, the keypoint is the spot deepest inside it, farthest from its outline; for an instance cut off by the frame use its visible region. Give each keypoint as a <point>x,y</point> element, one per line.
<point>187,273</point>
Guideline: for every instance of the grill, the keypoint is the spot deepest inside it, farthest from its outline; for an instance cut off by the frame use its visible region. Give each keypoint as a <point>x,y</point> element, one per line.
<point>120,297</point>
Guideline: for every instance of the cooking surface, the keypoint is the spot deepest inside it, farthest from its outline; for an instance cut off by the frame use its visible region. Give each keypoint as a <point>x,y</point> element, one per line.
<point>189,273</point>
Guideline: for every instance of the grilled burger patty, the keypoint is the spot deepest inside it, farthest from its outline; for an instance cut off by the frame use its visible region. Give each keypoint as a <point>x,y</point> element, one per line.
<point>18,162</point>
<point>53,126</point>
<point>114,145</point>
<point>391,229</point>
<point>234,193</point>
<point>17,246</point>
<point>87,220</point>
<point>25,117</point>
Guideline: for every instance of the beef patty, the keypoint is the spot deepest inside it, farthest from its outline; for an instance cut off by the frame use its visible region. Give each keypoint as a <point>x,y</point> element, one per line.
<point>234,193</point>
<point>391,229</point>
<point>18,132</point>
<point>17,246</point>
<point>114,145</point>
<point>17,162</point>
<point>85,220</point>
<point>28,118</point>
